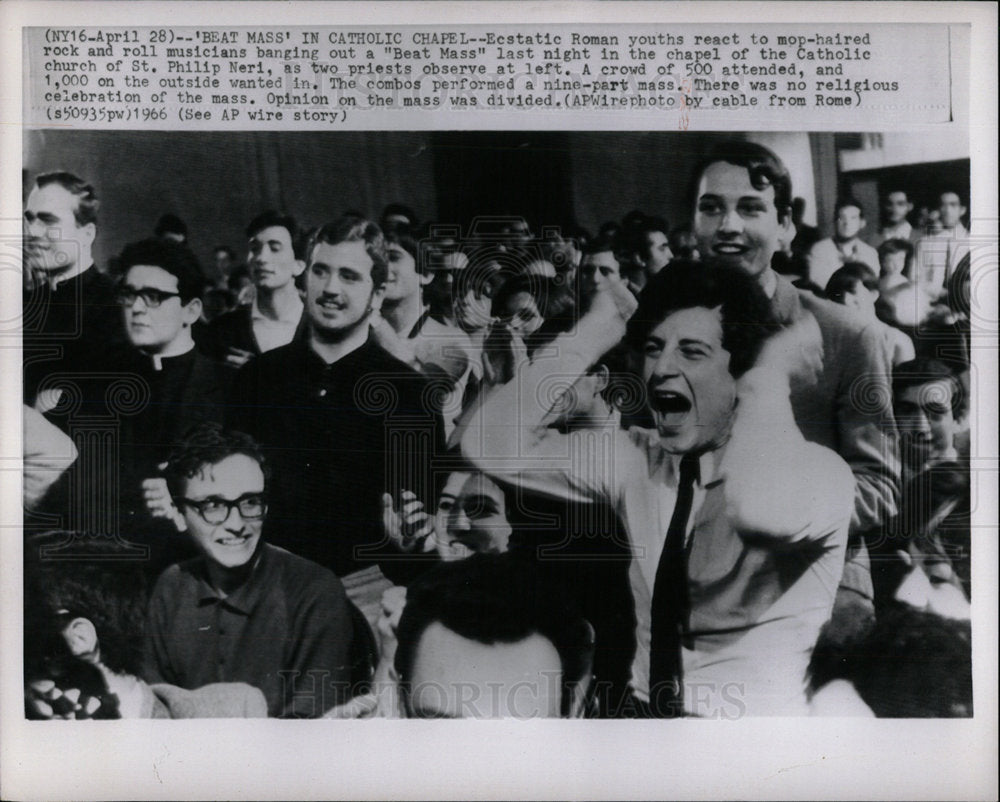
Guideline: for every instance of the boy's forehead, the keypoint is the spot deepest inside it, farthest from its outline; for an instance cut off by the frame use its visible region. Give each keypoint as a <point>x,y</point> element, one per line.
<point>234,469</point>
<point>721,177</point>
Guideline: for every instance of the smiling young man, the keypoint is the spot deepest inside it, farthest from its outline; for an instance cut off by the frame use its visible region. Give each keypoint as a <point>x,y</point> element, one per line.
<point>737,524</point>
<point>340,418</point>
<point>274,316</point>
<point>244,611</point>
<point>742,198</point>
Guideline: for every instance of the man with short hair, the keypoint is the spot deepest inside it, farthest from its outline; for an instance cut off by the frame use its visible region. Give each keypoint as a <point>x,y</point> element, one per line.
<point>275,314</point>
<point>742,196</point>
<point>895,208</point>
<point>598,267</point>
<point>927,400</point>
<point>648,247</point>
<point>244,610</point>
<point>487,637</point>
<point>69,303</point>
<point>939,253</point>
<point>159,299</point>
<point>737,524</point>
<point>341,419</point>
<point>827,255</point>
<point>409,331</point>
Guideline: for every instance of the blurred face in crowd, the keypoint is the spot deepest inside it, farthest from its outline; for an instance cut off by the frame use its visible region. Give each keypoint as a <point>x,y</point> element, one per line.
<point>689,388</point>
<point>471,517</point>
<point>893,263</point>
<point>598,271</point>
<point>932,585</point>
<point>862,299</point>
<point>340,293</point>
<point>455,677</point>
<point>521,313</point>
<point>272,258</point>
<point>925,421</point>
<point>156,324</point>
<point>404,281</point>
<point>231,543</point>
<point>849,222</point>
<point>896,207</point>
<point>657,252</point>
<point>736,222</point>
<point>53,242</point>
<point>950,209</point>
<point>473,299</point>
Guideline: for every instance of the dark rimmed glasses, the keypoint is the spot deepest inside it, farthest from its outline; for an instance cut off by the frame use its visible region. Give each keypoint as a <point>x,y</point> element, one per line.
<point>215,510</point>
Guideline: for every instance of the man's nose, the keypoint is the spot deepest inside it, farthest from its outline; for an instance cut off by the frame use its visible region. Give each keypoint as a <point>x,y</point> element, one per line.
<point>666,365</point>
<point>732,221</point>
<point>460,521</point>
<point>234,520</point>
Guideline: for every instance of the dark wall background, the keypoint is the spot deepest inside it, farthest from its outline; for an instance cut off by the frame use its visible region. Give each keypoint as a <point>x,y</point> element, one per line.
<point>217,182</point>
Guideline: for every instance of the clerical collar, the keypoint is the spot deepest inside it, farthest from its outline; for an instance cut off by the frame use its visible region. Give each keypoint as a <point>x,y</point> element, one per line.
<point>157,359</point>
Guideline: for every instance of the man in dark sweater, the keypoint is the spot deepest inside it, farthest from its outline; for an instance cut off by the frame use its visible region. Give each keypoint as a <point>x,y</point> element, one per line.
<point>342,420</point>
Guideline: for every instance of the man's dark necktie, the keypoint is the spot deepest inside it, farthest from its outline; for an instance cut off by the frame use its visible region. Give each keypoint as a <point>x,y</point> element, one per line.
<point>671,604</point>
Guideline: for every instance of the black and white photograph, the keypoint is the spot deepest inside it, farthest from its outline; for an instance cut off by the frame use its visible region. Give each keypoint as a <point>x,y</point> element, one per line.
<point>558,418</point>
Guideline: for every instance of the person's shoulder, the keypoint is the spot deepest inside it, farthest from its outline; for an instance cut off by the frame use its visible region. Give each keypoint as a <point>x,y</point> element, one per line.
<point>176,576</point>
<point>299,574</point>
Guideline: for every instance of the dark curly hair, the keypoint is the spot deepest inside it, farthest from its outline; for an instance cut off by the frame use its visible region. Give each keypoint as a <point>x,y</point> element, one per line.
<point>208,444</point>
<point>173,257</point>
<point>747,317</point>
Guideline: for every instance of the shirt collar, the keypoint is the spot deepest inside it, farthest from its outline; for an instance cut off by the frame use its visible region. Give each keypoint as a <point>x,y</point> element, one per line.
<point>245,598</point>
<point>291,320</point>
<point>785,301</point>
<point>659,459</point>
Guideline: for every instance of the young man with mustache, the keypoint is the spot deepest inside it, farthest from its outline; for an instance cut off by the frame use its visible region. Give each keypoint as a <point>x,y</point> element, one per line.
<point>738,525</point>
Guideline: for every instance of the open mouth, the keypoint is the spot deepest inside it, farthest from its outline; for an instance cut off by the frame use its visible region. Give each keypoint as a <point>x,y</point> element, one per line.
<point>671,408</point>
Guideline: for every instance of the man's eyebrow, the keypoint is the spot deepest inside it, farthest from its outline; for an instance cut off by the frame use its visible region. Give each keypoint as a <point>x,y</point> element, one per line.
<point>696,341</point>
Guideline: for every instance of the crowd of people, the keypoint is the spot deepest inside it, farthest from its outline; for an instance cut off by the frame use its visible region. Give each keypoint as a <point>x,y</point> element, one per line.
<point>715,470</point>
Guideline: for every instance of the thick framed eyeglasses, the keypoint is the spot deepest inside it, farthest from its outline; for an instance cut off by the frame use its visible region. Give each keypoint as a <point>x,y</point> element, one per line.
<point>151,296</point>
<point>215,511</point>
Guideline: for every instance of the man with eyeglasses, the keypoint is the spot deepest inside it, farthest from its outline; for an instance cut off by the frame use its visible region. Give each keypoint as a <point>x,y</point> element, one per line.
<point>173,386</point>
<point>244,610</point>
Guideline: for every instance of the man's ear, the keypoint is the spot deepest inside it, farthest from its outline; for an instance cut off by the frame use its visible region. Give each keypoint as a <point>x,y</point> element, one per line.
<point>81,638</point>
<point>602,378</point>
<point>425,278</point>
<point>90,232</point>
<point>300,266</point>
<point>192,311</point>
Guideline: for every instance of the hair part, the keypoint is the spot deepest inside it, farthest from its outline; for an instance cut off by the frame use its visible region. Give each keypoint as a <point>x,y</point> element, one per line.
<point>490,599</point>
